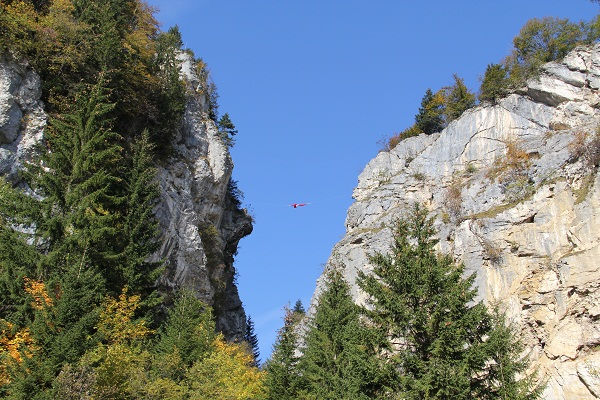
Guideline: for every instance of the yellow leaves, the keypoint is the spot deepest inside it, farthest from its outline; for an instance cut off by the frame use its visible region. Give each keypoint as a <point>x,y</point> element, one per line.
<point>139,40</point>
<point>226,374</point>
<point>116,319</point>
<point>37,289</point>
<point>13,345</point>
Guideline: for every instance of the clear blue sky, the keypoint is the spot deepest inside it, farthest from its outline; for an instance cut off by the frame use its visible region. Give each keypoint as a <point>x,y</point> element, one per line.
<point>312,86</point>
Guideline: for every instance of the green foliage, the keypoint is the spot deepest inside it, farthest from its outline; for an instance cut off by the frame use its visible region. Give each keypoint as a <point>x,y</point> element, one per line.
<point>80,184</point>
<point>298,308</point>
<point>235,193</point>
<point>171,94</point>
<point>252,340</point>
<point>541,41</point>
<point>458,99</point>
<point>188,331</point>
<point>283,380</point>
<point>430,117</point>
<point>441,344</point>
<point>494,83</point>
<point>336,363</point>
<point>227,130</point>
<point>140,227</point>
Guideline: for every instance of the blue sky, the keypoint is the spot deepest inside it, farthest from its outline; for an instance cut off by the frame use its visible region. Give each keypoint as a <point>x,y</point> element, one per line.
<point>312,86</point>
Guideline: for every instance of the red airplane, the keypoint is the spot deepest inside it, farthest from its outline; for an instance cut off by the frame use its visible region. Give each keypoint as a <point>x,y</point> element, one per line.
<point>296,205</point>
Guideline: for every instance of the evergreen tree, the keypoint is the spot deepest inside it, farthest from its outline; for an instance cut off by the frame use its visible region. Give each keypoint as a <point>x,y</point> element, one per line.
<point>227,130</point>
<point>494,84</point>
<point>140,228</point>
<point>458,99</point>
<point>442,345</point>
<point>283,379</point>
<point>336,364</point>
<point>80,182</point>
<point>430,117</point>
<point>252,340</point>
<point>298,308</point>
<point>188,331</point>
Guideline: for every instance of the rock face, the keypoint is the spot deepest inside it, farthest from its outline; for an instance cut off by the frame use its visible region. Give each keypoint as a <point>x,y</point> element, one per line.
<point>22,117</point>
<point>201,221</point>
<point>516,193</point>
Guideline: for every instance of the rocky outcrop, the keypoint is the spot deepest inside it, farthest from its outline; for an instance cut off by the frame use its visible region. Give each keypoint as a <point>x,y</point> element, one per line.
<point>201,221</point>
<point>22,117</point>
<point>516,193</point>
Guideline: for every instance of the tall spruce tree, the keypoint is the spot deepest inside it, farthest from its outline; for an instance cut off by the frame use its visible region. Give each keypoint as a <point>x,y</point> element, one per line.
<point>336,364</point>
<point>252,340</point>
<point>140,227</point>
<point>283,379</point>
<point>441,344</point>
<point>76,222</point>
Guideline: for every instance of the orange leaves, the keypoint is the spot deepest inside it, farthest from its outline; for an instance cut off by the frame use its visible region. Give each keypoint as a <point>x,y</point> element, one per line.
<point>37,289</point>
<point>13,346</point>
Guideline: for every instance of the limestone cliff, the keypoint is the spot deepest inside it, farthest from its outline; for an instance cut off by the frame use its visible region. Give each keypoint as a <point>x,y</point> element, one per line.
<point>200,222</point>
<point>515,190</point>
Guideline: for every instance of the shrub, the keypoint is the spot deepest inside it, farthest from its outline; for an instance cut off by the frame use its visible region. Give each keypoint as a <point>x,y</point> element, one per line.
<point>519,189</point>
<point>491,252</point>
<point>592,153</point>
<point>393,141</point>
<point>453,200</point>
<point>577,146</point>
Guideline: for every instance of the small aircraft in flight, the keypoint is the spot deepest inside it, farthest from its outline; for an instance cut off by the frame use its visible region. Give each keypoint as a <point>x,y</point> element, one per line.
<point>296,205</point>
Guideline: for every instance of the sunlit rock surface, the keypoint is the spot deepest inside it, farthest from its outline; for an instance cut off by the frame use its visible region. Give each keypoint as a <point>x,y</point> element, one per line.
<point>533,240</point>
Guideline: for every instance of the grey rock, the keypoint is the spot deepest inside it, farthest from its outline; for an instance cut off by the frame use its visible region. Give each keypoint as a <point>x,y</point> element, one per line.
<point>194,200</point>
<point>22,117</point>
<point>531,234</point>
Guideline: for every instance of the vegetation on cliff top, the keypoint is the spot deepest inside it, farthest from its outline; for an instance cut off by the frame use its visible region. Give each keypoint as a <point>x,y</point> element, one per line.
<point>538,42</point>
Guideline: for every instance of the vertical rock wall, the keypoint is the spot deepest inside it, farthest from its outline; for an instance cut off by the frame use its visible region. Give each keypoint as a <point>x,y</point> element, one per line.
<point>531,233</point>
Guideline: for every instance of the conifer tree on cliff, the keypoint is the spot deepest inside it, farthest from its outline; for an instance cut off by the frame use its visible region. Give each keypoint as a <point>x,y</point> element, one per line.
<point>441,344</point>
<point>252,340</point>
<point>336,363</point>
<point>430,118</point>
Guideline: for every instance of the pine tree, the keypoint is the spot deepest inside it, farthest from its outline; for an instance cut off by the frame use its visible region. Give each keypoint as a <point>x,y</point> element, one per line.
<point>283,379</point>
<point>298,308</point>
<point>458,99</point>
<point>188,331</point>
<point>336,364</point>
<point>140,229</point>
<point>227,130</point>
<point>81,187</point>
<point>442,345</point>
<point>430,117</point>
<point>494,83</point>
<point>252,340</point>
